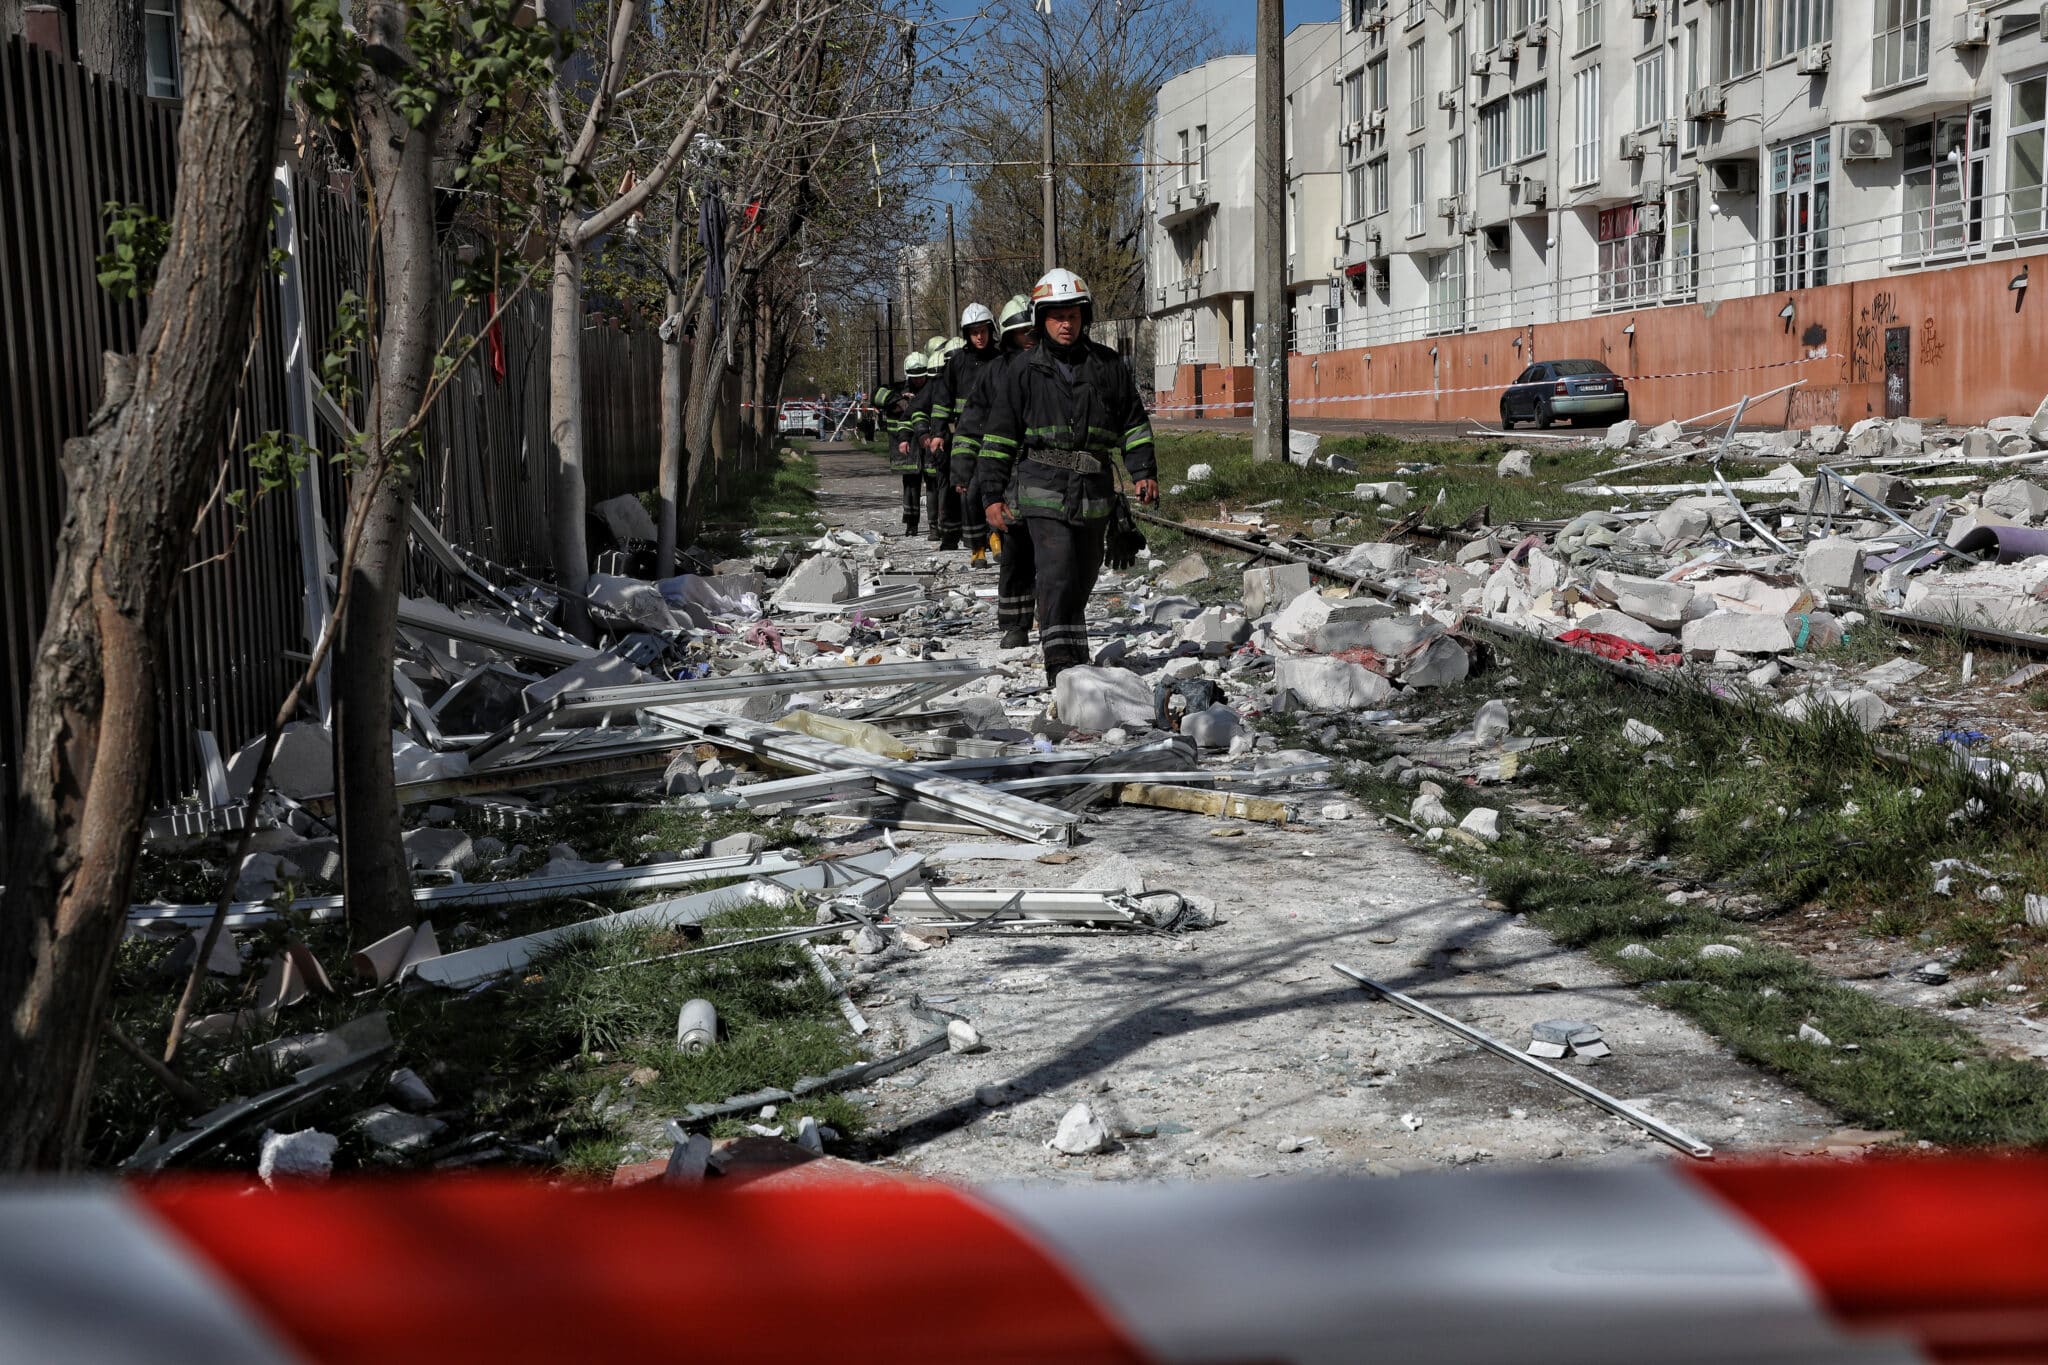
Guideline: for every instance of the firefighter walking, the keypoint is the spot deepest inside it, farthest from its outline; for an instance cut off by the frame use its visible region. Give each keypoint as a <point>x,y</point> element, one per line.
<point>896,411</point>
<point>1058,418</point>
<point>1014,575</point>
<point>967,362</point>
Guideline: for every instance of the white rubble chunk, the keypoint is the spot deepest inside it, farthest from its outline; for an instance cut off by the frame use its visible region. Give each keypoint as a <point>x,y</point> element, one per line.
<point>1641,733</point>
<point>1809,1034</point>
<point>1739,632</point>
<point>1099,699</point>
<point>1720,950</point>
<point>1482,822</point>
<point>2001,596</point>
<point>1826,439</point>
<point>396,1131</point>
<point>1832,565</point>
<point>1200,473</point>
<point>1611,622</point>
<point>1623,434</point>
<point>1516,464</point>
<point>821,578</point>
<point>1650,600</point>
<point>1325,684</point>
<point>1213,728</point>
<point>962,1036</point>
<point>1662,435</point>
<point>1865,707</point>
<point>1189,569</point>
<point>405,1086</point>
<point>1080,1133</point>
<point>736,846</point>
<point>1372,557</point>
<point>2038,428</point>
<point>1265,589</point>
<point>1297,623</point>
<point>1492,723</point>
<point>2018,500</point>
<point>305,1155</point>
<point>1680,521</point>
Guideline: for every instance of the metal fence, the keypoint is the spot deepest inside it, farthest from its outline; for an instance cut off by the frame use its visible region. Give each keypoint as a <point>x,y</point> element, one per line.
<point>71,143</point>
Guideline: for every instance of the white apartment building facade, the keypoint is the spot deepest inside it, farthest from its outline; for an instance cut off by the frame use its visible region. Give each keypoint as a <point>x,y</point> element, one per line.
<point>1501,163</point>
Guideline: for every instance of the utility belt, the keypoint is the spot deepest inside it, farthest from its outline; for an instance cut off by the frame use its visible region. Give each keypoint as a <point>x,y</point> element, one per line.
<point>1080,461</point>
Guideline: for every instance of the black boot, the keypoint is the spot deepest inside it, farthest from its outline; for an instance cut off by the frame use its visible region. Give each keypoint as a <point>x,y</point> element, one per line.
<point>1016,637</point>
<point>949,541</point>
<point>910,526</point>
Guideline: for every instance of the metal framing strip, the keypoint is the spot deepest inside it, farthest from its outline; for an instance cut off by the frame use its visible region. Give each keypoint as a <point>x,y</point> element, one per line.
<point>999,811</point>
<point>1079,907</point>
<point>655,877</point>
<point>1656,1128</point>
<point>431,618</point>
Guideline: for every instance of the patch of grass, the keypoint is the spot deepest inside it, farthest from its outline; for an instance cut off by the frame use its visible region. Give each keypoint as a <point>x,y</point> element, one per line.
<point>1770,815</point>
<point>782,498</point>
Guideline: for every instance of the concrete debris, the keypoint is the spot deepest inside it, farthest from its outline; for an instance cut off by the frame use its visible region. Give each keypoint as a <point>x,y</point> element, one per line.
<point>962,1036</point>
<point>1554,1039</point>
<point>1325,684</point>
<point>1713,950</point>
<point>822,579</point>
<point>1214,728</point>
<point>1482,823</point>
<point>1430,812</point>
<point>1738,632</point>
<point>1809,1034</point>
<point>1866,708</point>
<point>1184,572</point>
<point>1641,734</point>
<point>1080,1133</point>
<point>405,1088</point>
<point>1516,464</point>
<point>1200,473</point>
<point>395,1132</point>
<point>305,1155</point>
<point>1268,588</point>
<point>1095,700</point>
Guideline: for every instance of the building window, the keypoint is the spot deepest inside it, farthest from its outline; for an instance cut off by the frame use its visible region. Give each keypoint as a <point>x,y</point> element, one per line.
<point>1586,25</point>
<point>1288,131</point>
<point>1801,24</point>
<point>1944,183</point>
<point>1532,122</point>
<point>1799,214</point>
<point>1376,84</point>
<point>1650,90</point>
<point>1356,12</point>
<point>1447,291</point>
<point>160,49</point>
<point>1189,244</point>
<point>1417,191</point>
<point>1293,223</point>
<point>1529,13</point>
<point>1900,51</point>
<point>1354,97</point>
<point>1586,146</point>
<point>1493,23</point>
<point>1458,164</point>
<point>1354,192</point>
<point>1202,151</point>
<point>2024,155</point>
<point>1688,130</point>
<point>1735,37</point>
<point>1415,13</point>
<point>1630,258</point>
<point>1493,135</point>
<point>1376,181</point>
<point>1682,239</point>
<point>1187,165</point>
<point>1418,87</point>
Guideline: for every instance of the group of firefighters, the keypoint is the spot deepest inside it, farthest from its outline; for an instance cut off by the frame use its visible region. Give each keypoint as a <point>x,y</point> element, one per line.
<point>1006,437</point>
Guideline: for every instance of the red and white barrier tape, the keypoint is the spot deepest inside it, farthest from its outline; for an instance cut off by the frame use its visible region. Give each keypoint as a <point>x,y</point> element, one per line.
<point>1877,1261</point>
<point>1294,401</point>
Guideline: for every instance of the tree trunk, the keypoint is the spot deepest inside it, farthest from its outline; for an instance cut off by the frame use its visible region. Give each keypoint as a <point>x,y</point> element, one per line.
<point>375,882</point>
<point>111,42</point>
<point>674,386</point>
<point>706,360</point>
<point>765,405</point>
<point>134,482</point>
<point>565,427</point>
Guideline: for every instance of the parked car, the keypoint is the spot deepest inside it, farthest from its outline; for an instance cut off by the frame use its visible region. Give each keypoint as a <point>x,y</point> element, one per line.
<point>1571,390</point>
<point>800,418</point>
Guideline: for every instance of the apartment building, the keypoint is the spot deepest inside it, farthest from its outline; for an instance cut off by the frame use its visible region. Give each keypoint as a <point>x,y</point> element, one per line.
<point>1504,163</point>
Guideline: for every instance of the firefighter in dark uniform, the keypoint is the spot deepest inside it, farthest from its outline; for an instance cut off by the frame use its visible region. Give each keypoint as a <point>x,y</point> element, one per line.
<point>922,424</point>
<point>1014,579</point>
<point>967,361</point>
<point>903,457</point>
<point>1060,415</point>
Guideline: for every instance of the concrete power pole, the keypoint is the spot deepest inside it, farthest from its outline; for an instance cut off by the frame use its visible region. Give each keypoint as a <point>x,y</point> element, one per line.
<point>952,268</point>
<point>1049,205</point>
<point>909,311</point>
<point>1269,238</point>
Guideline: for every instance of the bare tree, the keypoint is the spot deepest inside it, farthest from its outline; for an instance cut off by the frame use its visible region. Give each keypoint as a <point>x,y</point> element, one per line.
<point>134,482</point>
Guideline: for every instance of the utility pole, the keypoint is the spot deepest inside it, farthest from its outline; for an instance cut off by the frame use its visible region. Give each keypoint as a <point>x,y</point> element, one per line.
<point>952,268</point>
<point>909,310</point>
<point>1269,237</point>
<point>889,351</point>
<point>1048,207</point>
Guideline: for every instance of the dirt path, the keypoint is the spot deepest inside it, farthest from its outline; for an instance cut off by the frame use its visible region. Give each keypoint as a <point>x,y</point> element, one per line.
<point>1210,1049</point>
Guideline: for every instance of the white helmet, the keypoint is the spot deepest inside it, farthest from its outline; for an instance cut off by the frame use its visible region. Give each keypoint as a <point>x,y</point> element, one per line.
<point>935,347</point>
<point>913,365</point>
<point>974,315</point>
<point>956,344</point>
<point>1016,313</point>
<point>1058,288</point>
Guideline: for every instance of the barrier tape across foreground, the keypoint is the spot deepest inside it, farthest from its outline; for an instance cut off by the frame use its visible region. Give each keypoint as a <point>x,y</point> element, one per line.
<point>1876,1261</point>
<point>1294,400</point>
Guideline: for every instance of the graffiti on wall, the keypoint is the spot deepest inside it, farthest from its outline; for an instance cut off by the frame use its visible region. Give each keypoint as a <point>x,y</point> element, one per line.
<point>1866,345</point>
<point>1810,407</point>
<point>1932,346</point>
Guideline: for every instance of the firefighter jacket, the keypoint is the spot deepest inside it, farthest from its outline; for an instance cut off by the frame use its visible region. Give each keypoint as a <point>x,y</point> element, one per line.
<point>1055,424</point>
<point>967,429</point>
<point>896,412</point>
<point>950,391</point>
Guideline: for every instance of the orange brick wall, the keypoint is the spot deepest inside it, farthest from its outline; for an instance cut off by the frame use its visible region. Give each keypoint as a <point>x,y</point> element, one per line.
<point>1978,350</point>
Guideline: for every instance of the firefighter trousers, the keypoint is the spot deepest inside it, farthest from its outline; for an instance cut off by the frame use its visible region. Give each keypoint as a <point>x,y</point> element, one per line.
<point>1016,579</point>
<point>1067,557</point>
<point>942,508</point>
<point>913,497</point>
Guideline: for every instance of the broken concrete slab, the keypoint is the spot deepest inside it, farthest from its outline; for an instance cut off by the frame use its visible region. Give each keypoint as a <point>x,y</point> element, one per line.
<point>821,578</point>
<point>1297,623</point>
<point>1623,434</point>
<point>1826,439</point>
<point>1184,572</point>
<point>1372,558</point>
<point>626,519</point>
<point>1325,684</point>
<point>1739,632</point>
<point>1439,661</point>
<point>1611,622</point>
<point>1865,707</point>
<point>1216,631</point>
<point>2018,500</point>
<point>1080,1133</point>
<point>1269,588</point>
<point>1098,699</point>
<point>1213,728</point>
<point>1516,464</point>
<point>1650,600</point>
<point>1832,565</point>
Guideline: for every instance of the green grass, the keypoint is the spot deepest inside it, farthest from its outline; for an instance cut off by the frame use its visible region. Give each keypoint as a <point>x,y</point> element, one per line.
<point>542,1058</point>
<point>782,498</point>
<point>1792,830</point>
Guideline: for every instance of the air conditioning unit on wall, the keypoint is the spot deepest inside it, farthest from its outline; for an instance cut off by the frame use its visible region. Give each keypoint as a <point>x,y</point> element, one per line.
<point>1447,99</point>
<point>1734,177</point>
<point>1709,101</point>
<point>1863,142</point>
<point>1973,28</point>
<point>1814,60</point>
<point>1511,176</point>
<point>1650,218</point>
<point>1534,191</point>
<point>1631,147</point>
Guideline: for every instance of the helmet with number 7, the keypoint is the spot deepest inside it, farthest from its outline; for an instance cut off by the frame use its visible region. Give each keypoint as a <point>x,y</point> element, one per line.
<point>1059,288</point>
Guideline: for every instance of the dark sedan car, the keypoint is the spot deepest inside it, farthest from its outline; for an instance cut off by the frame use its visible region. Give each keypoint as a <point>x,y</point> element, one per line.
<point>1573,390</point>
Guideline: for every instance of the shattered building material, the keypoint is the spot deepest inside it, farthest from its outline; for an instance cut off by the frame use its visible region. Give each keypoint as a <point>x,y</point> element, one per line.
<point>1222,805</point>
<point>1656,1128</point>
